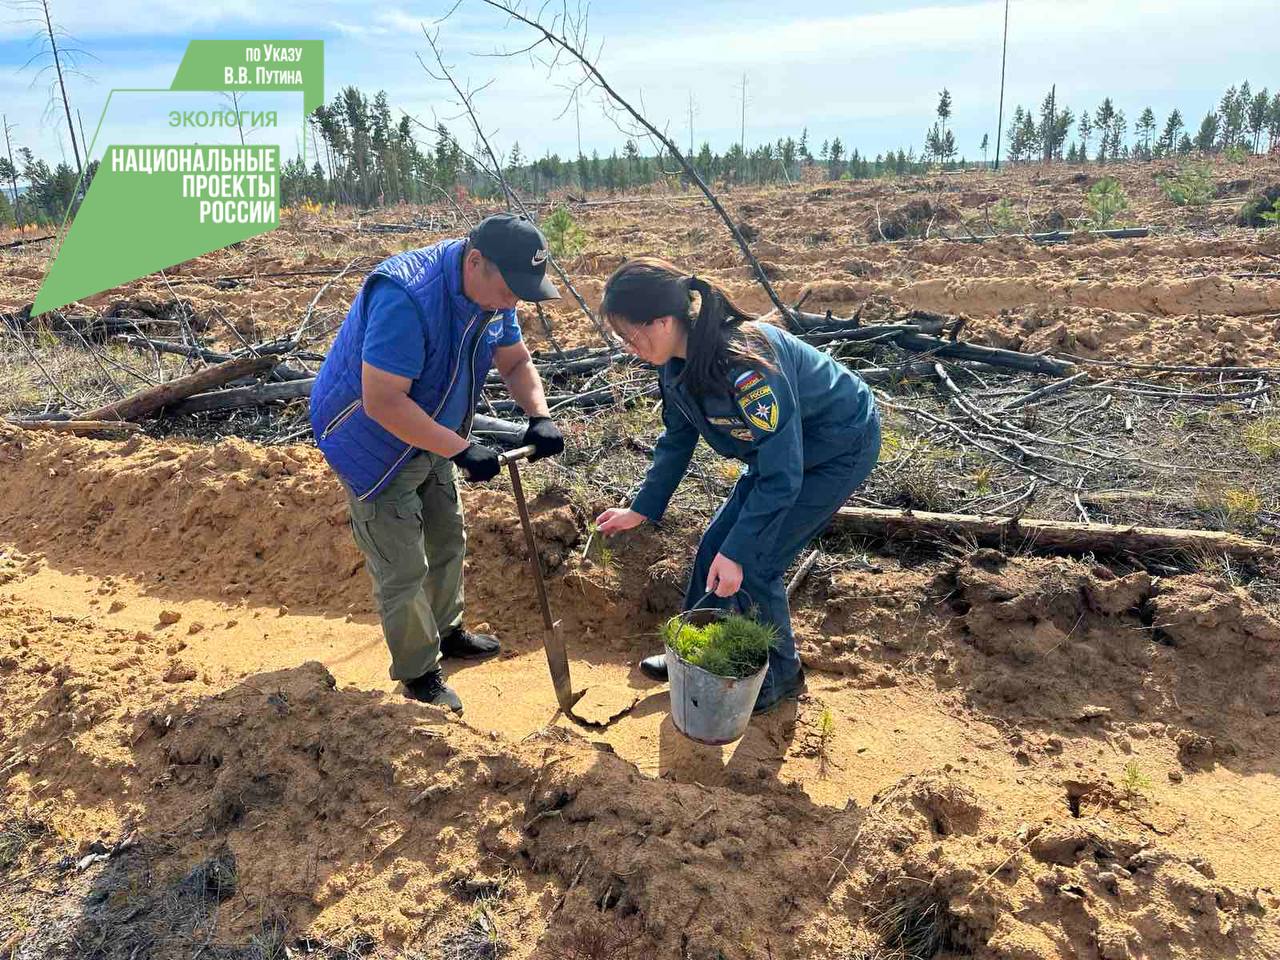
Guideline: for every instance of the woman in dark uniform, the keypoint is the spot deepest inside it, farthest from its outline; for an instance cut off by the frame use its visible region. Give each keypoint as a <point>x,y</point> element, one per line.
<point>805,425</point>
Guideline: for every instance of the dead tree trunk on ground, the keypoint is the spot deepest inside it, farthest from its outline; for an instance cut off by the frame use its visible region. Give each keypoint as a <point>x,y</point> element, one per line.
<point>1046,534</point>
<point>77,426</point>
<point>152,400</point>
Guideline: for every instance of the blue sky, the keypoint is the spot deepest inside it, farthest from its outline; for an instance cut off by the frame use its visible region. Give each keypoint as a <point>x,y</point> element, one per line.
<point>868,72</point>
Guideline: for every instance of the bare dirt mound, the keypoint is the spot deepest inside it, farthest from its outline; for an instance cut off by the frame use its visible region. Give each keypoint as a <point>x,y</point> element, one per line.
<point>185,513</point>
<point>284,810</point>
<point>970,774</point>
<point>1067,646</point>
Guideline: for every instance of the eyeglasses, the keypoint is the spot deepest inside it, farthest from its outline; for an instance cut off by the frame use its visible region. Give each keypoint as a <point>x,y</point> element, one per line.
<point>626,339</point>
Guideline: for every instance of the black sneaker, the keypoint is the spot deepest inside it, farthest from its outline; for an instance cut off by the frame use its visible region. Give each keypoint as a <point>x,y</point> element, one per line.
<point>431,688</point>
<point>462,644</point>
<point>655,667</point>
<point>772,694</point>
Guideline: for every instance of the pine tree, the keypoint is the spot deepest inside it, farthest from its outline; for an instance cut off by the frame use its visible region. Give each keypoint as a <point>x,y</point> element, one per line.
<point>1030,135</point>
<point>983,147</point>
<point>9,182</point>
<point>1208,134</point>
<point>1168,141</point>
<point>834,166</point>
<point>1231,114</point>
<point>944,108</point>
<point>933,142</point>
<point>1086,130</point>
<point>1273,122</point>
<point>448,158</point>
<point>706,161</point>
<point>1054,126</point>
<point>1103,118</point>
<point>1118,130</point>
<point>1258,110</point>
<point>1145,129</point>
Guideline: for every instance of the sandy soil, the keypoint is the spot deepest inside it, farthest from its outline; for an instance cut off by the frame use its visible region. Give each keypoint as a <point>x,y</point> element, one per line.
<point>1024,757</point>
<point>997,756</point>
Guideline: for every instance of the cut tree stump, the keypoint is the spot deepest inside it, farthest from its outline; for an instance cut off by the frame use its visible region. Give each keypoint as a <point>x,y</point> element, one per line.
<point>1046,534</point>
<point>154,399</point>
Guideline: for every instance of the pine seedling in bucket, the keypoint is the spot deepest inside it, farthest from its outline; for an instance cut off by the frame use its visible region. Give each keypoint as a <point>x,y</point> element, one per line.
<point>734,647</point>
<point>716,663</point>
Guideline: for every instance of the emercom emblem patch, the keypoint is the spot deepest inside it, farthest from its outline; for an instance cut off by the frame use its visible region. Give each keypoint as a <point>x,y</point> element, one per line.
<point>756,399</point>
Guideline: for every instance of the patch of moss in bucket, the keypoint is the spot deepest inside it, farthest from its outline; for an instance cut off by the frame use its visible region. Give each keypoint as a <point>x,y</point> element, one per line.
<point>735,647</point>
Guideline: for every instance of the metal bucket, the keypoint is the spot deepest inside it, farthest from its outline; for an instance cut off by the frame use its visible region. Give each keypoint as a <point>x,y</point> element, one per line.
<point>705,707</point>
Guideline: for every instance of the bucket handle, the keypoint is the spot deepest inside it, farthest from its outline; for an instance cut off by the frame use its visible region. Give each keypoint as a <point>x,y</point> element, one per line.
<point>706,596</point>
<point>741,593</point>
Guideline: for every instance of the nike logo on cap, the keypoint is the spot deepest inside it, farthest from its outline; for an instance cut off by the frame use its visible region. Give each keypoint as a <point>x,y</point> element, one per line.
<point>540,258</point>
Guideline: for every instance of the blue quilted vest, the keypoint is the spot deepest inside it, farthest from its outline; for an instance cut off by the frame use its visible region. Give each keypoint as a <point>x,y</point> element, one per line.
<point>460,338</point>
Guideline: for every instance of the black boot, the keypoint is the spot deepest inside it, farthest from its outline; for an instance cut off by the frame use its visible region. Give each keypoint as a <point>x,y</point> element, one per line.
<point>462,644</point>
<point>655,667</point>
<point>431,688</point>
<point>772,694</point>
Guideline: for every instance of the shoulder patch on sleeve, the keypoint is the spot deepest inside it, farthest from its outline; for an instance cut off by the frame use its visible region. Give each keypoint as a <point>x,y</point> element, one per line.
<point>759,405</point>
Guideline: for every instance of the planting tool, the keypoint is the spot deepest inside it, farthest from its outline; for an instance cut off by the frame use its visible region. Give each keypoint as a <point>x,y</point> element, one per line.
<point>552,639</point>
<point>604,703</point>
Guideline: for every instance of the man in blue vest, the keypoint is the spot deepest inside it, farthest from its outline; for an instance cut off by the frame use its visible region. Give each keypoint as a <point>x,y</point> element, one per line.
<point>391,410</point>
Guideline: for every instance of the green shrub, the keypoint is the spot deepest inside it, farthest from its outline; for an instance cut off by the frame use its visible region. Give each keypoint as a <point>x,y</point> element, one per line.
<point>1106,200</point>
<point>1192,187</point>
<point>1135,781</point>
<point>1262,438</point>
<point>1272,216</point>
<point>736,646</point>
<point>1003,216</point>
<point>564,237</point>
<point>1260,209</point>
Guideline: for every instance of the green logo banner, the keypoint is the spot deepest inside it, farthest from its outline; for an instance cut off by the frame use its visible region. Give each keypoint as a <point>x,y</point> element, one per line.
<point>255,65</point>
<point>151,206</point>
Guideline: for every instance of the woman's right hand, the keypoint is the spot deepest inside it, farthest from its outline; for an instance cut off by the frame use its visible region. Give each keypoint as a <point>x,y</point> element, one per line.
<point>616,519</point>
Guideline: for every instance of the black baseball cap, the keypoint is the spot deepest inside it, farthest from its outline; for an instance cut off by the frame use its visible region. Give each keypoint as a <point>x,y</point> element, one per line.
<point>519,251</point>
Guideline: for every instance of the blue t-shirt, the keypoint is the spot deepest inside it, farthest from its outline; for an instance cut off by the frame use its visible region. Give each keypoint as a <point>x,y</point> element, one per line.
<point>394,340</point>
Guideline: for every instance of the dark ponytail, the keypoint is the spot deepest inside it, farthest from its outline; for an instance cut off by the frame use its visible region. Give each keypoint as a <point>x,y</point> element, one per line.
<point>721,336</point>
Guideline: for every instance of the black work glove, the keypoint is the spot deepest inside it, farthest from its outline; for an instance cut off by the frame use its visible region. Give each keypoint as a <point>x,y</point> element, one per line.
<point>478,463</point>
<point>545,437</point>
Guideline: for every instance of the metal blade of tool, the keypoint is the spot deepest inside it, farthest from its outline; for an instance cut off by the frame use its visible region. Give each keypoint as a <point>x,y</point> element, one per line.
<point>552,639</point>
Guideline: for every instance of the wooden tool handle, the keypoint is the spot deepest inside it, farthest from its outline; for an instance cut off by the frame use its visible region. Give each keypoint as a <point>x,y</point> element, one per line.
<point>519,453</point>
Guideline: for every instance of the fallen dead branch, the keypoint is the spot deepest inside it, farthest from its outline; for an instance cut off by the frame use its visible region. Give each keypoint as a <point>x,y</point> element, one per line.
<point>280,372</point>
<point>153,399</point>
<point>1057,236</point>
<point>78,426</point>
<point>1013,532</point>
<point>254,396</point>
<point>23,241</point>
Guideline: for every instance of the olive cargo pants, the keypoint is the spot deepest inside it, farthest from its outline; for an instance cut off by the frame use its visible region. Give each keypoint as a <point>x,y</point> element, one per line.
<point>413,540</point>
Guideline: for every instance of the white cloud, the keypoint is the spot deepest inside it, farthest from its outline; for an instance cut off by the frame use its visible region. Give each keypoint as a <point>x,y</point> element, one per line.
<point>870,77</point>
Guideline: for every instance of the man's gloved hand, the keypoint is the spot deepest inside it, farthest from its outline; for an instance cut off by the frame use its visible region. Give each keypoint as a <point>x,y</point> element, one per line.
<point>478,463</point>
<point>545,437</point>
